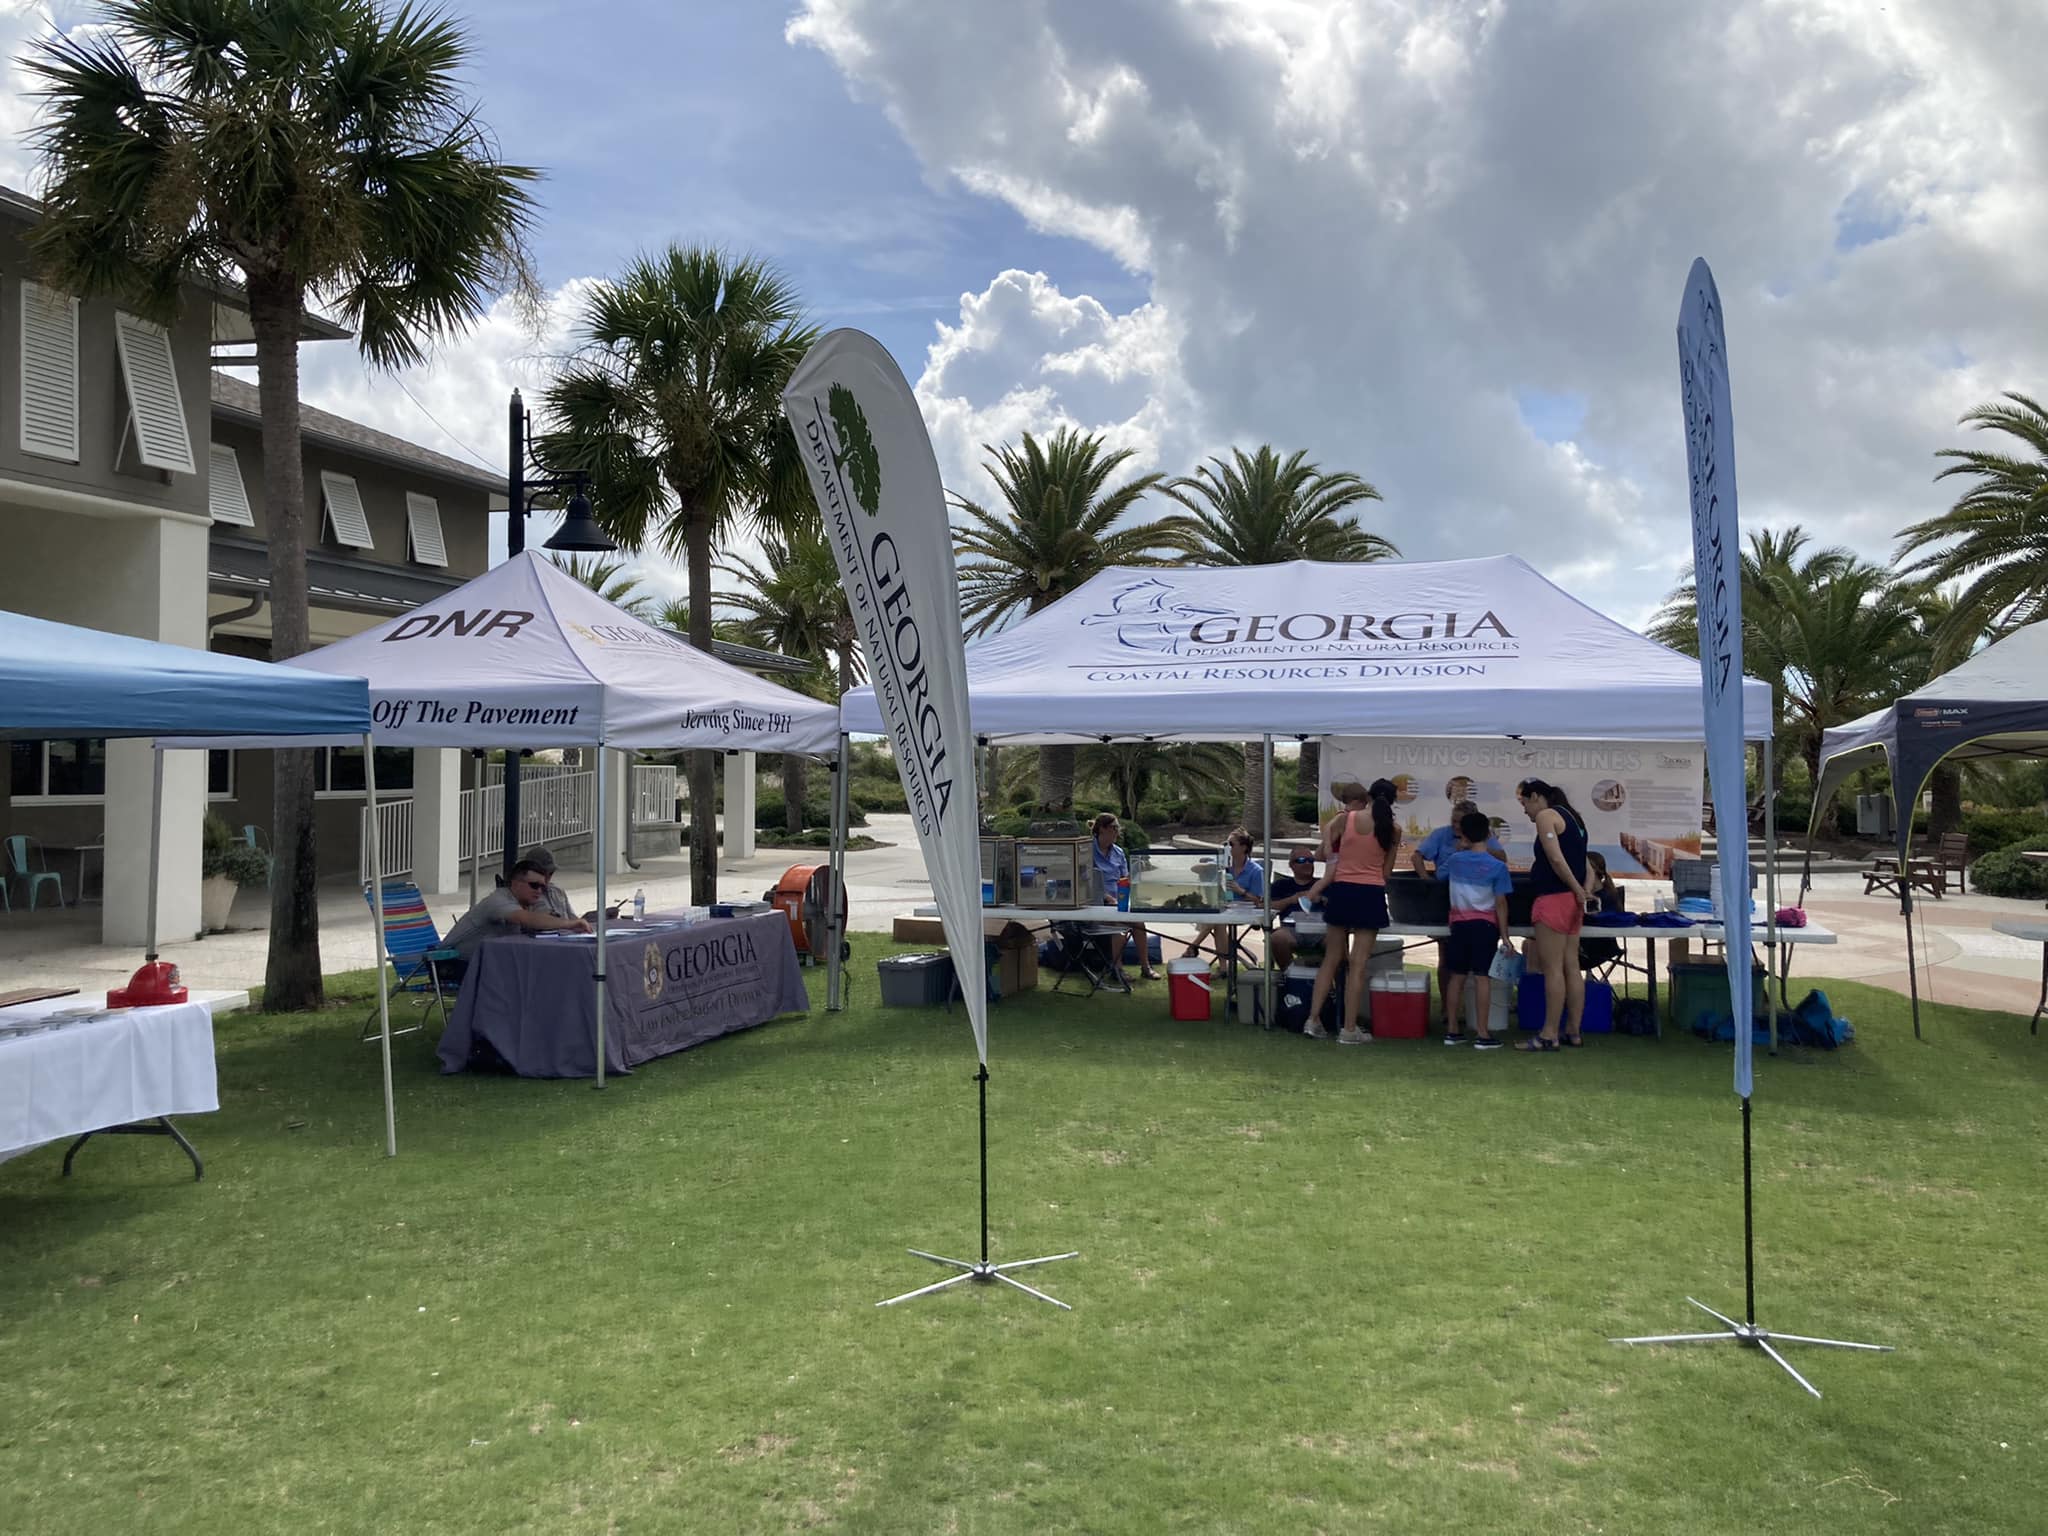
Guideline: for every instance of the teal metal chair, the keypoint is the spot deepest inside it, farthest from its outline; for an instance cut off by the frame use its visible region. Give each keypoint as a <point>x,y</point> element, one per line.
<point>34,877</point>
<point>253,836</point>
<point>414,947</point>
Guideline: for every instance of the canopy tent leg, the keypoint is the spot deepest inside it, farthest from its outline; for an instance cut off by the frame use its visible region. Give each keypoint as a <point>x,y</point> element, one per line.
<point>1266,896</point>
<point>477,760</point>
<point>597,857</point>
<point>834,925</point>
<point>1771,890</point>
<point>156,847</point>
<point>377,917</point>
<point>1912,961</point>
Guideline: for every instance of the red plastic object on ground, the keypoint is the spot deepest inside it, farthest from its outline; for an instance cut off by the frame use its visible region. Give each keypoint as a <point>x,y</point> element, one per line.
<point>1187,989</point>
<point>1400,1014</point>
<point>155,984</point>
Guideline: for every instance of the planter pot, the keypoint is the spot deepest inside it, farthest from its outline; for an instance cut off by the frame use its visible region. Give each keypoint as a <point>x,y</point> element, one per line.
<point>216,902</point>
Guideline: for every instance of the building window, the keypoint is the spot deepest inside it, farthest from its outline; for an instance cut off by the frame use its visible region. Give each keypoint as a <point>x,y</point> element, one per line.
<point>227,496</point>
<point>423,529</point>
<point>58,770</point>
<point>220,775</point>
<point>347,522</point>
<point>156,406</point>
<point>49,373</point>
<point>339,771</point>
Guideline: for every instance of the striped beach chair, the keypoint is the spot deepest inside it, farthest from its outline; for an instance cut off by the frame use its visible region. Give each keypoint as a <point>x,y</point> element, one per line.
<point>413,946</point>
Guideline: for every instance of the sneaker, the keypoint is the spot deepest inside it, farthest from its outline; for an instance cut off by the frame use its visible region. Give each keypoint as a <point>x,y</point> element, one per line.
<point>1455,1039</point>
<point>1315,1031</point>
<point>1487,1043</point>
<point>1353,1037</point>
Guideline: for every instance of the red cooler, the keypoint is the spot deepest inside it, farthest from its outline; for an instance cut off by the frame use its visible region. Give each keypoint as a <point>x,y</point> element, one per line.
<point>1400,1005</point>
<point>1187,989</point>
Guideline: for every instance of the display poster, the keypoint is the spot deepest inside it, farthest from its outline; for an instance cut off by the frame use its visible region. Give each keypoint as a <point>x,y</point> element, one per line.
<point>1641,800</point>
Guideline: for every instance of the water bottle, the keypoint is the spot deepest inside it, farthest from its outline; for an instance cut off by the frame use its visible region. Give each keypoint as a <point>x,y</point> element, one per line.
<point>1123,894</point>
<point>639,905</point>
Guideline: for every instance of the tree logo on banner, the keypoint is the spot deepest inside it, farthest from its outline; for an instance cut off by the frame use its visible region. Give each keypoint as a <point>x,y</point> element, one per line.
<point>856,457</point>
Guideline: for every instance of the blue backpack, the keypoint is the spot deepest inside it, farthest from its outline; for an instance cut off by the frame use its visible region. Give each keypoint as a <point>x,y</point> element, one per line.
<point>1815,1023</point>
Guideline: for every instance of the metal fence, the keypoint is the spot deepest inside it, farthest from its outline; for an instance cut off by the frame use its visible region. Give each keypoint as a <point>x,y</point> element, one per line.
<point>555,806</point>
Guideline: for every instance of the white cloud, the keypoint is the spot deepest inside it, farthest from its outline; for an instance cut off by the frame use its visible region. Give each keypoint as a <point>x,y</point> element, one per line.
<point>1369,227</point>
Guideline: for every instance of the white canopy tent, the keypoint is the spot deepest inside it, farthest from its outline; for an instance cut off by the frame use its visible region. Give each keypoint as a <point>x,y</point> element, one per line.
<point>1483,647</point>
<point>526,656</point>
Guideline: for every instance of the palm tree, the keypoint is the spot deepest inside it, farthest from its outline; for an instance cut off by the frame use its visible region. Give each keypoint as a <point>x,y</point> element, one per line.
<point>613,580</point>
<point>1133,769</point>
<point>312,149</point>
<point>1261,509</point>
<point>794,601</point>
<point>1057,527</point>
<point>674,407</point>
<point>1995,537</point>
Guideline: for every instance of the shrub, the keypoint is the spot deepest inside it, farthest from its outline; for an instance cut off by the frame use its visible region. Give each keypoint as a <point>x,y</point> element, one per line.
<point>2008,873</point>
<point>1133,839</point>
<point>1305,807</point>
<point>769,811</point>
<point>221,852</point>
<point>875,792</point>
<point>1018,824</point>
<point>1990,830</point>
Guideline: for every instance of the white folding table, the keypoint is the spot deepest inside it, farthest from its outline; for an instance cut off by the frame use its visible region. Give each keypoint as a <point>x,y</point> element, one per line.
<point>123,1075</point>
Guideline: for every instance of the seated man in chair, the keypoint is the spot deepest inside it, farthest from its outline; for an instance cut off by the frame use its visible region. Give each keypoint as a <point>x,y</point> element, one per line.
<point>516,907</point>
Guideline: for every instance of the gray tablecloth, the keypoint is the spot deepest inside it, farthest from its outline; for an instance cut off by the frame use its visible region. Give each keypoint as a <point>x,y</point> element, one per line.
<point>667,988</point>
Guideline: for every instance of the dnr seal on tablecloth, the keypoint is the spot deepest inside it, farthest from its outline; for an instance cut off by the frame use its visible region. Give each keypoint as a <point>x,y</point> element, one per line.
<point>651,978</point>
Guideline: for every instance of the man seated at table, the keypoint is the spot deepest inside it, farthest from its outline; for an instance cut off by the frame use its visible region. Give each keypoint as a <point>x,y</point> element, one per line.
<point>1290,900</point>
<point>515,907</point>
<point>553,900</point>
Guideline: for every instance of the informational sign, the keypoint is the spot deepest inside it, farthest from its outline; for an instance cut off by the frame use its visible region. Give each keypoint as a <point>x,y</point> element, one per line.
<point>1641,800</point>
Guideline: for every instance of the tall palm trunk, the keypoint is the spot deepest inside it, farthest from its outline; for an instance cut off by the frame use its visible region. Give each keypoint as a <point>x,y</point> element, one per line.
<point>1308,769</point>
<point>1945,803</point>
<point>291,977</point>
<point>1255,787</point>
<point>703,763</point>
<point>793,766</point>
<point>1056,778</point>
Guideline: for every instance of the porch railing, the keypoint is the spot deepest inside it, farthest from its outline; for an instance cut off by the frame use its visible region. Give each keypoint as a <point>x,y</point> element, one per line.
<point>555,806</point>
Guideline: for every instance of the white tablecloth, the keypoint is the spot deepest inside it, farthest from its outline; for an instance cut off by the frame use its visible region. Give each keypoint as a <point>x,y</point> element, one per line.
<point>87,1076</point>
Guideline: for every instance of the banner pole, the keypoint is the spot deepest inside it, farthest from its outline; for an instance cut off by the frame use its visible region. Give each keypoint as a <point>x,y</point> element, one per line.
<point>981,1079</point>
<point>597,855</point>
<point>377,913</point>
<point>1266,898</point>
<point>835,924</point>
<point>1748,1226</point>
<point>1771,889</point>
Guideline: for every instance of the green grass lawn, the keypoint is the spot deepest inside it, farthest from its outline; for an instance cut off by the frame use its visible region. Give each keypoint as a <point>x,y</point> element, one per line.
<point>1319,1289</point>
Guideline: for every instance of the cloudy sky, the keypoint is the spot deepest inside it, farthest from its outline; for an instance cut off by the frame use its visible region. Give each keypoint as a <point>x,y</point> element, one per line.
<point>1439,243</point>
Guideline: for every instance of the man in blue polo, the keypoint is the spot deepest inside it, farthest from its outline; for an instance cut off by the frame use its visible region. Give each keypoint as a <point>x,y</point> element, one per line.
<point>1432,851</point>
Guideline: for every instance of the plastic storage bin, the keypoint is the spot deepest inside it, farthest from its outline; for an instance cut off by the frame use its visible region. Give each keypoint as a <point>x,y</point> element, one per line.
<point>915,981</point>
<point>1700,987</point>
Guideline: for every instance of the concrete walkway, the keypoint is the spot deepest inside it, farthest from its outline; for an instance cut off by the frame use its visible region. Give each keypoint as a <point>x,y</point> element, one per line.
<point>1962,960</point>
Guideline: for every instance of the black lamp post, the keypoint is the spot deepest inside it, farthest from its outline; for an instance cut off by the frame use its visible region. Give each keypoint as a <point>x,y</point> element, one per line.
<point>579,533</point>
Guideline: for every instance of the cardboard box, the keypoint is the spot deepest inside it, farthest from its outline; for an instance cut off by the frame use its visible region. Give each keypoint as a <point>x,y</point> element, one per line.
<point>917,930</point>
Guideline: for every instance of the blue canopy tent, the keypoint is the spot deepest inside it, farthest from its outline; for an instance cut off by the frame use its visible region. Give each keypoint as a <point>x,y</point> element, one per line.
<point>60,680</point>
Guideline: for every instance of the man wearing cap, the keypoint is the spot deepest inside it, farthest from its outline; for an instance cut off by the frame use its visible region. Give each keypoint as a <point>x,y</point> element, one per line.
<point>553,900</point>
<point>1290,899</point>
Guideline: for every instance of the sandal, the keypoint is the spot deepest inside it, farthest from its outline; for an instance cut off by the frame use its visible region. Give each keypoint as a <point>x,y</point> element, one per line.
<point>1536,1043</point>
<point>1148,974</point>
<point>1573,1042</point>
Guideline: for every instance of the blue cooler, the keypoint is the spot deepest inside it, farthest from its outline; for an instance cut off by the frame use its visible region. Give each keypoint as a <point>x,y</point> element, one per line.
<point>1598,1018</point>
<point>1297,989</point>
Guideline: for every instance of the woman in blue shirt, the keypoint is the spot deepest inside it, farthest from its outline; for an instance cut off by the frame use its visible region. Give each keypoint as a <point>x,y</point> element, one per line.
<point>1244,880</point>
<point>1114,865</point>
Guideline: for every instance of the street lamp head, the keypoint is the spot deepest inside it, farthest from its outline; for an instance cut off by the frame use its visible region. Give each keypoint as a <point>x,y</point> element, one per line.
<point>579,532</point>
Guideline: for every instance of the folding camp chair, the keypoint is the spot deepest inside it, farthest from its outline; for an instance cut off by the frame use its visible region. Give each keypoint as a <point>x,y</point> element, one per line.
<point>414,948</point>
<point>1095,951</point>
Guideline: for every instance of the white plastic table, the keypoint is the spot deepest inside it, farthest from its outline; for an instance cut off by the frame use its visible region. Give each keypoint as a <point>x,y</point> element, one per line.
<point>124,1075</point>
<point>2033,933</point>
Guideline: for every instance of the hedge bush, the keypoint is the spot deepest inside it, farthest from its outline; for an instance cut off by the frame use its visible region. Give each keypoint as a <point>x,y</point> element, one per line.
<point>2008,873</point>
<point>1990,830</point>
<point>769,809</point>
<point>879,794</point>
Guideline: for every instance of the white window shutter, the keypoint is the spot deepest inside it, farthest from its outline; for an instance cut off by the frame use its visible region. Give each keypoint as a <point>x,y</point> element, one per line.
<point>345,514</point>
<point>49,373</point>
<point>226,496</point>
<point>423,519</point>
<point>156,405</point>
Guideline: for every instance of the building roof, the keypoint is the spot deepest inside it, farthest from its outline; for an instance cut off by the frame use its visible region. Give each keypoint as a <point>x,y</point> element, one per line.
<point>230,315</point>
<point>234,400</point>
